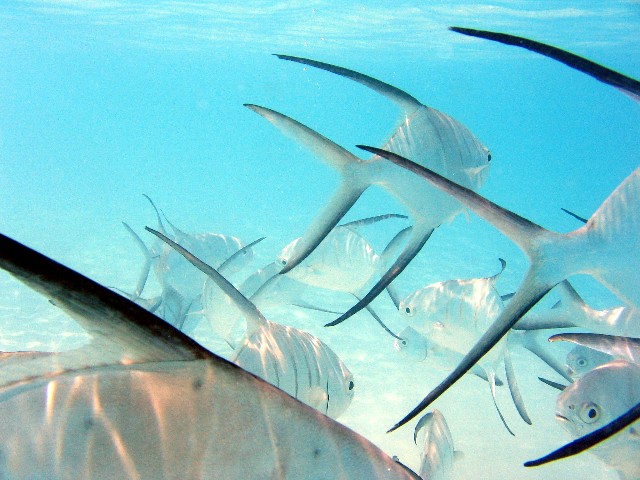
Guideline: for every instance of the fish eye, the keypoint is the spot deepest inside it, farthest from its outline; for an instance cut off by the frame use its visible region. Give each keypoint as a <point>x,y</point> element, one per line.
<point>581,362</point>
<point>488,157</point>
<point>589,413</point>
<point>351,385</point>
<point>408,310</point>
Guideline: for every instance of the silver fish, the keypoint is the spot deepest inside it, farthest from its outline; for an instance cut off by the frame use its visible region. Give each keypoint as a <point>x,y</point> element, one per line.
<point>438,454</point>
<point>432,137</point>
<point>581,360</point>
<point>181,283</point>
<point>596,399</point>
<point>144,401</point>
<point>452,315</point>
<point>605,248</point>
<point>292,360</point>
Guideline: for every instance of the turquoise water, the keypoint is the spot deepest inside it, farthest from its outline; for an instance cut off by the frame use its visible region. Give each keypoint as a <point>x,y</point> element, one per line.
<point>102,101</point>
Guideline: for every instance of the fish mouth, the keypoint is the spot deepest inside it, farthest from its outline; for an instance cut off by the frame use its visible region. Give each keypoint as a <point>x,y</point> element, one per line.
<point>562,418</point>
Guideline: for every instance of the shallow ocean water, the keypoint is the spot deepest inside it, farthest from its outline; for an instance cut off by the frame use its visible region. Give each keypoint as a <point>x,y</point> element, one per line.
<point>103,101</point>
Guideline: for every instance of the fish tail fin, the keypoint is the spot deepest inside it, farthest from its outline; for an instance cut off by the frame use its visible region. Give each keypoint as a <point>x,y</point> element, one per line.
<point>529,339</point>
<point>353,170</point>
<point>419,237</point>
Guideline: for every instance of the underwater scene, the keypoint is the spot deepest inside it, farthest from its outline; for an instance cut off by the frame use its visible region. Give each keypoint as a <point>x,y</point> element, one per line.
<point>268,149</point>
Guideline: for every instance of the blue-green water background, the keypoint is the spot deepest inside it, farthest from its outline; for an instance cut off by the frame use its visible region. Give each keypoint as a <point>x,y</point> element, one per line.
<point>101,101</point>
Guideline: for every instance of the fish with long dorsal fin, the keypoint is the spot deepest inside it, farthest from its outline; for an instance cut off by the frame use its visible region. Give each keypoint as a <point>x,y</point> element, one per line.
<point>432,137</point>
<point>452,315</point>
<point>291,359</point>
<point>181,284</point>
<point>596,399</point>
<point>143,400</point>
<point>605,247</point>
<point>625,84</point>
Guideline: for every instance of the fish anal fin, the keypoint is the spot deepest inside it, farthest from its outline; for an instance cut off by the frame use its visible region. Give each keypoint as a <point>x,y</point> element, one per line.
<point>516,396</point>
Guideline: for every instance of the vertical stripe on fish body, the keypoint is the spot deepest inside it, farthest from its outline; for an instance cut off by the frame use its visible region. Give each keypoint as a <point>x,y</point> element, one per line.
<point>300,364</point>
<point>454,313</point>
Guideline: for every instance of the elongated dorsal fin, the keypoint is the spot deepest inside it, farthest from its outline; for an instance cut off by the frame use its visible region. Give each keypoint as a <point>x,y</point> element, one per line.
<point>254,317</point>
<point>401,98</point>
<point>626,84</point>
<point>126,332</point>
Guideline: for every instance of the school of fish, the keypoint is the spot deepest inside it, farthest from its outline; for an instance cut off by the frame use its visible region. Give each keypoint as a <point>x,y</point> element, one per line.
<point>144,400</point>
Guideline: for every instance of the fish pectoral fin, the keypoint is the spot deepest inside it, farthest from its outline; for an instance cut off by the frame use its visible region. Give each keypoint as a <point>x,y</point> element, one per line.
<point>516,396</point>
<point>418,238</point>
<point>401,98</point>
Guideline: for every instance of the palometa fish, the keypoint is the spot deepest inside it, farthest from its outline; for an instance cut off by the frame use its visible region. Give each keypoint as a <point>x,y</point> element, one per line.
<point>431,137</point>
<point>144,401</point>
<point>181,283</point>
<point>452,315</point>
<point>581,360</point>
<point>292,360</point>
<point>596,399</point>
<point>624,348</point>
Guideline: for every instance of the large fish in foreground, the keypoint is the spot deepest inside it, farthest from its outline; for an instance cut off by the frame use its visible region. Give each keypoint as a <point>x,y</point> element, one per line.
<point>431,137</point>
<point>144,401</point>
<point>606,247</point>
